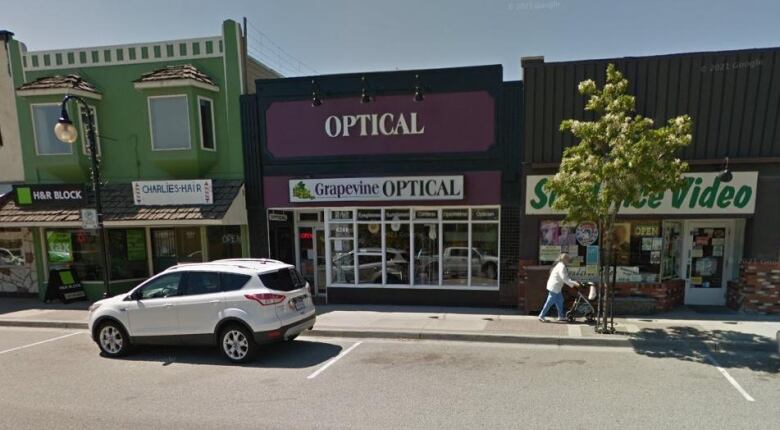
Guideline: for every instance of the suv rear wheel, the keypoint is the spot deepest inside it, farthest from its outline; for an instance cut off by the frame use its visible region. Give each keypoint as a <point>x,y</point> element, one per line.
<point>237,344</point>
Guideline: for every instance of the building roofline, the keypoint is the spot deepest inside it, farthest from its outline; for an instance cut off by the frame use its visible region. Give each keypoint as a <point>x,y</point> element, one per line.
<point>534,62</point>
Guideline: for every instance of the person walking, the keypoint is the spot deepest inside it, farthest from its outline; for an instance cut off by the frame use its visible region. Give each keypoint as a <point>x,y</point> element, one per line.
<point>559,276</point>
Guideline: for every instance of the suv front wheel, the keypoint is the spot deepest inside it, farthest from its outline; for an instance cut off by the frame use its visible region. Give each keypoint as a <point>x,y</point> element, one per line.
<point>113,339</point>
<point>237,344</point>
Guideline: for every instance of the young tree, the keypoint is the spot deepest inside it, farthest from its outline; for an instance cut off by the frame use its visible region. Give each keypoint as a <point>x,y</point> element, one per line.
<point>620,156</point>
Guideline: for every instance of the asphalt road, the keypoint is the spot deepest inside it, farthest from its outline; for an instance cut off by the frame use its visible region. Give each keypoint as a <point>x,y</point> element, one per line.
<point>56,379</point>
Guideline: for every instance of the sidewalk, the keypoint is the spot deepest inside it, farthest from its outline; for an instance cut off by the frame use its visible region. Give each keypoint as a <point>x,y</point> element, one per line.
<point>682,328</point>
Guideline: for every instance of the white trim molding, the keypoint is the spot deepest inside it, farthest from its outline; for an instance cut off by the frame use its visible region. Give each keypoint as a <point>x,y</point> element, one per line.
<point>175,83</point>
<point>59,92</point>
<point>213,125</point>
<point>121,54</point>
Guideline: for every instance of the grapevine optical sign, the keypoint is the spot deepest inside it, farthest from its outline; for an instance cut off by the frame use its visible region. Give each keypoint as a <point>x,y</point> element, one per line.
<point>702,193</point>
<point>377,189</point>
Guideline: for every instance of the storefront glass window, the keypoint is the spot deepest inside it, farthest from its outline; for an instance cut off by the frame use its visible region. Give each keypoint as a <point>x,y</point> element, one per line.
<point>78,249</point>
<point>672,250</point>
<point>342,255</point>
<point>484,241</point>
<point>397,251</point>
<point>456,254</point>
<point>224,241</point>
<point>426,254</point>
<point>414,247</point>
<point>175,245</point>
<point>369,253</point>
<point>11,247</point>
<point>127,249</point>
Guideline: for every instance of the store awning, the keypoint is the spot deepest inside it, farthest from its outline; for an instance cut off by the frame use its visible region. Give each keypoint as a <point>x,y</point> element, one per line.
<point>229,208</point>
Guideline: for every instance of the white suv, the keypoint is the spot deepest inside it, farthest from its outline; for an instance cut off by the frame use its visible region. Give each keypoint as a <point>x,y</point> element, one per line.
<point>236,304</point>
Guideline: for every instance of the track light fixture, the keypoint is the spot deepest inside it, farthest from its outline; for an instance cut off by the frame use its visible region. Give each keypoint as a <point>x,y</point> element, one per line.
<point>725,174</point>
<point>315,94</point>
<point>364,97</point>
<point>418,91</point>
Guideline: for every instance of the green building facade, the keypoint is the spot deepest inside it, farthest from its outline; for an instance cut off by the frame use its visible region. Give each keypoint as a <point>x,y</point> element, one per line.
<point>169,144</point>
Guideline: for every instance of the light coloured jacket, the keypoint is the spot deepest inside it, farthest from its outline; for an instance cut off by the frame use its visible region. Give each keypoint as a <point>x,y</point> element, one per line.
<point>559,276</point>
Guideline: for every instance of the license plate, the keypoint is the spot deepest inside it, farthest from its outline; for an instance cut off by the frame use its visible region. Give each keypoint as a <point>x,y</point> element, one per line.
<point>299,305</point>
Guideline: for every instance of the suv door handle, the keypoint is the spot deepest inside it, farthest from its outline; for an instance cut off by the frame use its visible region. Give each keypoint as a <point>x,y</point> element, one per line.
<point>168,306</point>
<point>214,302</point>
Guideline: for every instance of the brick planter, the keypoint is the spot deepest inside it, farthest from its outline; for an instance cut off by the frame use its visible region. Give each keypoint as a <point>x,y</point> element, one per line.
<point>758,288</point>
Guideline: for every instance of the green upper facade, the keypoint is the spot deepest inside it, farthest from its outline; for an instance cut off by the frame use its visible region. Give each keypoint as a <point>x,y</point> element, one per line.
<point>165,110</point>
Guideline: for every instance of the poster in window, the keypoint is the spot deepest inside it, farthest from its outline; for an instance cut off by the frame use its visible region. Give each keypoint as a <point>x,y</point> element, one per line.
<point>702,240</point>
<point>549,252</point>
<point>567,235</point>
<point>697,252</point>
<point>592,256</point>
<point>587,233</point>
<point>622,241</point>
<point>655,257</point>
<point>647,244</point>
<point>136,245</point>
<point>59,248</point>
<point>658,243</point>
<point>717,251</point>
<point>549,233</point>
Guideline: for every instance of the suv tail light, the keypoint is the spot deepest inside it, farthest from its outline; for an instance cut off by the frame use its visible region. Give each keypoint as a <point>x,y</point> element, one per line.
<point>266,298</point>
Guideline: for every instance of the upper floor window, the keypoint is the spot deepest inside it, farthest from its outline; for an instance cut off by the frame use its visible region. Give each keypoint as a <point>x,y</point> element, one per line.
<point>84,122</point>
<point>44,117</point>
<point>169,122</point>
<point>206,110</point>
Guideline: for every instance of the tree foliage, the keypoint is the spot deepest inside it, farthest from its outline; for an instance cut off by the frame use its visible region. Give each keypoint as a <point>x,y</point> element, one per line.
<point>620,156</point>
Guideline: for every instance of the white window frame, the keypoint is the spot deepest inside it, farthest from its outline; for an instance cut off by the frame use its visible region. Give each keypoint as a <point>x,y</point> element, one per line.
<point>411,222</point>
<point>84,138</point>
<point>35,133</point>
<point>151,125</point>
<point>213,127</point>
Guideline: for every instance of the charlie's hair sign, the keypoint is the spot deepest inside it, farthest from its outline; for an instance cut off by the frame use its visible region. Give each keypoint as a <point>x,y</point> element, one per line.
<point>398,188</point>
<point>702,193</point>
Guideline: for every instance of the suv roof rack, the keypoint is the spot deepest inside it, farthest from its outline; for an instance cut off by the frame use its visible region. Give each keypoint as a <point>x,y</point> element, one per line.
<point>249,260</point>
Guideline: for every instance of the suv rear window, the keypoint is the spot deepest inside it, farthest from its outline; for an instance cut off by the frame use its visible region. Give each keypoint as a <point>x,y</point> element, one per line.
<point>283,280</point>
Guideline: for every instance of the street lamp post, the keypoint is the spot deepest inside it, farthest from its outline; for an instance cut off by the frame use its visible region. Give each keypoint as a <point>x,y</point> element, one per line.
<point>67,133</point>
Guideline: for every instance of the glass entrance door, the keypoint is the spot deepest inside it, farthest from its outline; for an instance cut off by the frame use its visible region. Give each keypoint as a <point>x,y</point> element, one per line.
<point>707,248</point>
<point>311,261</point>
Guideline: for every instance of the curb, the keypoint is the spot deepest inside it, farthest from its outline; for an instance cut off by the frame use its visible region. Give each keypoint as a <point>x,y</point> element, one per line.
<point>44,324</point>
<point>615,341</point>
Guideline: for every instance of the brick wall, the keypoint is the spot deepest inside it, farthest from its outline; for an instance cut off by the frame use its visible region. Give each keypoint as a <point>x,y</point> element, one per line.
<point>758,288</point>
<point>667,294</point>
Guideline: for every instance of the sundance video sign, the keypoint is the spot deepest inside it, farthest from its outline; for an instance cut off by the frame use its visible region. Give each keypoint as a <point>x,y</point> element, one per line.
<point>377,189</point>
<point>701,194</point>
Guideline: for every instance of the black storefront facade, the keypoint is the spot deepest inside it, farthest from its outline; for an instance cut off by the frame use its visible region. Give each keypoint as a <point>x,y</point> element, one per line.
<point>688,247</point>
<point>389,187</point>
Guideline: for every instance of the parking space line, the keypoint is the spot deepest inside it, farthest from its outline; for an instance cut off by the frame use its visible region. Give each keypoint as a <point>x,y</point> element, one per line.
<point>729,378</point>
<point>333,360</point>
<point>41,342</point>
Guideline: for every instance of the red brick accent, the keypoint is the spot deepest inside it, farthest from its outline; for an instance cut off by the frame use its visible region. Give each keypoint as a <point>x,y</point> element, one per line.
<point>758,288</point>
<point>667,294</point>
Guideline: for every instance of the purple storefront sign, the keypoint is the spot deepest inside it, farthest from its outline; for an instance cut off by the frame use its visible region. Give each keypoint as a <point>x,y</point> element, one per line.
<point>480,188</point>
<point>442,123</point>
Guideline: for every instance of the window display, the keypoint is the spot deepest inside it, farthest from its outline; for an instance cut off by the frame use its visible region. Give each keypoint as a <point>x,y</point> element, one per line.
<point>640,248</point>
